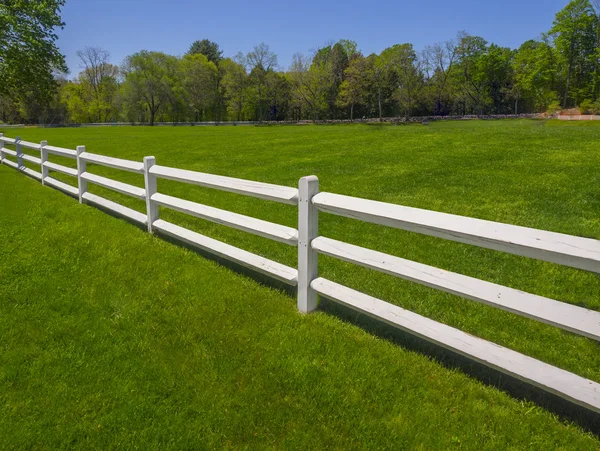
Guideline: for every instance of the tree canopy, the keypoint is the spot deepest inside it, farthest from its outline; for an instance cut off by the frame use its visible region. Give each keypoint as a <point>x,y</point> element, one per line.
<point>28,52</point>
<point>466,75</point>
<point>207,48</point>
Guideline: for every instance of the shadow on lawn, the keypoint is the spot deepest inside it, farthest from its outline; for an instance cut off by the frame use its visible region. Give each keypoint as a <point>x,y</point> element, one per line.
<point>521,390</point>
<point>566,410</point>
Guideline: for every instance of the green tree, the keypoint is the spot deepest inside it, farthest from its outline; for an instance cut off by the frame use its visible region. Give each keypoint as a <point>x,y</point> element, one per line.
<point>235,85</point>
<point>471,77</point>
<point>150,80</point>
<point>575,38</point>
<point>355,87</point>
<point>534,69</point>
<point>497,71</point>
<point>383,78</point>
<point>28,52</point>
<point>439,62</point>
<point>199,77</point>
<point>261,61</point>
<point>308,92</point>
<point>99,88</point>
<point>207,48</point>
<point>406,73</point>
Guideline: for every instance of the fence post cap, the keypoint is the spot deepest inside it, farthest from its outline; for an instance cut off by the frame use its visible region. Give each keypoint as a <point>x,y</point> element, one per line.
<point>310,178</point>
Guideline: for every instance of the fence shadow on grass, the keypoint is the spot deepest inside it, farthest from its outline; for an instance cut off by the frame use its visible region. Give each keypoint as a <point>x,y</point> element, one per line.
<point>566,410</point>
<point>240,269</point>
<point>516,388</point>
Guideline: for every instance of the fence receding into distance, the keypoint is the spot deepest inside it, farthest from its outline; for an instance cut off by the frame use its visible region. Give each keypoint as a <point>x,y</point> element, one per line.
<point>567,250</point>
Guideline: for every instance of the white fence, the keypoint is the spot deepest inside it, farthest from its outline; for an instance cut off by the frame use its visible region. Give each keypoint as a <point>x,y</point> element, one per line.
<point>581,253</point>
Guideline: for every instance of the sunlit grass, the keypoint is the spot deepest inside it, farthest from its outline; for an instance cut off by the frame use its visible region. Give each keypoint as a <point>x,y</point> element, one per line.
<point>113,338</point>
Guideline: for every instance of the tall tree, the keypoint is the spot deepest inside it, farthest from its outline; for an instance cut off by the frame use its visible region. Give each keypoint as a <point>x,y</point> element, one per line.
<point>261,60</point>
<point>199,77</point>
<point>406,73</point>
<point>99,85</point>
<point>534,72</point>
<point>471,76</point>
<point>150,80</point>
<point>354,88</point>
<point>440,59</point>
<point>308,88</point>
<point>235,85</point>
<point>207,48</point>
<point>575,39</point>
<point>28,52</point>
<point>383,78</point>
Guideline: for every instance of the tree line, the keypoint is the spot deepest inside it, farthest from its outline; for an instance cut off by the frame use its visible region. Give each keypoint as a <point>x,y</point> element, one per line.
<point>462,76</point>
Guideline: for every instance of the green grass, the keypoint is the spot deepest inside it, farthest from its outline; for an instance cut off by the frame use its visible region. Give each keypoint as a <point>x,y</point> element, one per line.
<point>114,338</point>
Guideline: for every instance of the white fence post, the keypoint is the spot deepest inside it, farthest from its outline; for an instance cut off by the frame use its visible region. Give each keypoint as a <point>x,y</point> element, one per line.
<point>44,158</point>
<point>1,147</point>
<point>19,152</point>
<point>151,187</point>
<point>308,229</point>
<point>81,166</point>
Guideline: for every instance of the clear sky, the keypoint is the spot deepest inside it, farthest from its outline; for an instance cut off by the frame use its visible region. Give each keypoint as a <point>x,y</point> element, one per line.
<point>126,26</point>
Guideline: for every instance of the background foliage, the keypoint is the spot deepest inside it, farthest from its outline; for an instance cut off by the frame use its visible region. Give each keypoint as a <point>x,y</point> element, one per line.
<point>463,76</point>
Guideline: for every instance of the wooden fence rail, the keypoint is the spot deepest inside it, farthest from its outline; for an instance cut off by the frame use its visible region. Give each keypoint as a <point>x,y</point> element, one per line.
<point>576,252</point>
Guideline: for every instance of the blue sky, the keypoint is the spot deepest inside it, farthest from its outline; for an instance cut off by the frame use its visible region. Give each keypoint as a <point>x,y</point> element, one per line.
<point>125,26</point>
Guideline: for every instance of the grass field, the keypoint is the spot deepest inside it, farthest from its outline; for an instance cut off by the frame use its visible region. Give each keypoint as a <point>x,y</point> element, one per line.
<point>114,338</point>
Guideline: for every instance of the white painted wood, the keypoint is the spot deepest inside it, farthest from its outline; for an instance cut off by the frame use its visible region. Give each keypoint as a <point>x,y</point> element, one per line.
<point>60,168</point>
<point>576,389</point>
<point>115,207</point>
<point>32,159</point>
<point>6,151</point>
<point>61,152</point>
<point>30,145</point>
<point>261,190</point>
<point>258,227</point>
<point>31,173</point>
<point>151,185</point>
<point>308,229</point>
<point>1,148</point>
<point>81,168</point>
<point>123,188</point>
<point>72,190</point>
<point>12,164</point>
<point>582,253</point>
<point>565,316</point>
<point>8,140</point>
<point>20,163</point>
<point>263,265</point>
<point>117,163</point>
<point>44,161</point>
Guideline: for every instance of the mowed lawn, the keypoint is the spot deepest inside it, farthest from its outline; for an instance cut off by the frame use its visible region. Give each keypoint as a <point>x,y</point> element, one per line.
<point>114,338</point>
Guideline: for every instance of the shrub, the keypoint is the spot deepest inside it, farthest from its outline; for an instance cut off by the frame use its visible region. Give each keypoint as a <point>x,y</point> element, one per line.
<point>586,107</point>
<point>554,107</point>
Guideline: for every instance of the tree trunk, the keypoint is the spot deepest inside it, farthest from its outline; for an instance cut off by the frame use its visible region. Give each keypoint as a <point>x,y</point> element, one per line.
<point>352,112</point>
<point>260,111</point>
<point>568,76</point>
<point>379,101</point>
